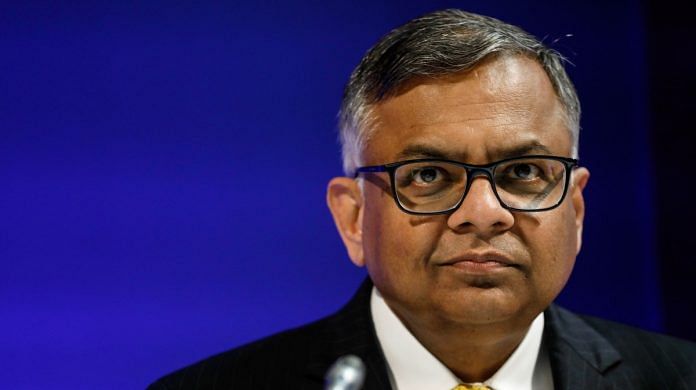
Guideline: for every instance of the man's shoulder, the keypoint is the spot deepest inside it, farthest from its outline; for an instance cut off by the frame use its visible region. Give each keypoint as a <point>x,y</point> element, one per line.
<point>621,352</point>
<point>635,342</point>
<point>300,356</point>
<point>281,354</point>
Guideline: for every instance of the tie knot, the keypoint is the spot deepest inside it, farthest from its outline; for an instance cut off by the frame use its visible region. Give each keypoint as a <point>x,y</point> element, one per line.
<point>473,386</point>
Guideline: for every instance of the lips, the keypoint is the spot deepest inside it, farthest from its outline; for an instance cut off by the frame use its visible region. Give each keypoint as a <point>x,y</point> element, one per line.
<point>480,262</point>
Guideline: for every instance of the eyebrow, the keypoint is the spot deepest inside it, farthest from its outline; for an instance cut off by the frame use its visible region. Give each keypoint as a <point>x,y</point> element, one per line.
<point>426,151</point>
<point>421,151</point>
<point>531,147</point>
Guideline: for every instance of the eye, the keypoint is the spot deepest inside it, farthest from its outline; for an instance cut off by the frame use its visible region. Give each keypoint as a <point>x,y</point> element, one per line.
<point>426,175</point>
<point>523,171</point>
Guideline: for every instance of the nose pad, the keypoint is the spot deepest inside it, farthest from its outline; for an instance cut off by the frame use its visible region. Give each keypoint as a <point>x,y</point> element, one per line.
<point>486,174</point>
<point>475,172</point>
<point>481,211</point>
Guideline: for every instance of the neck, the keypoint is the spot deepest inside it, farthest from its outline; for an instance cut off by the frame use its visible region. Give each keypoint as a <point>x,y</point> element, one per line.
<point>472,352</point>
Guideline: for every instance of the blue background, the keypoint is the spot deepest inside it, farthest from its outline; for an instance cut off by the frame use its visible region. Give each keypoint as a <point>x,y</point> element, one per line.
<point>164,165</point>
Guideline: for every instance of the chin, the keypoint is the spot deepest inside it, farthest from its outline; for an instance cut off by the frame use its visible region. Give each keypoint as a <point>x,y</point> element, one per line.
<point>481,306</point>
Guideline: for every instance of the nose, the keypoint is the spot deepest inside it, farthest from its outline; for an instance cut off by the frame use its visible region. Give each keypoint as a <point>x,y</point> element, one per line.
<point>481,211</point>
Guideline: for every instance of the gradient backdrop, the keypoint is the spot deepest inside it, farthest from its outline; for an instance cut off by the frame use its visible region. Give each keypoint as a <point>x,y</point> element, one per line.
<point>163,168</point>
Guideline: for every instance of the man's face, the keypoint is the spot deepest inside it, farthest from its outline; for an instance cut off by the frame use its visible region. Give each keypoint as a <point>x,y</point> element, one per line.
<point>429,268</point>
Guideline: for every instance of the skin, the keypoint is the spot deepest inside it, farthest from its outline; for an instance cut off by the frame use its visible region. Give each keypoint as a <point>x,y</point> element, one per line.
<point>469,313</point>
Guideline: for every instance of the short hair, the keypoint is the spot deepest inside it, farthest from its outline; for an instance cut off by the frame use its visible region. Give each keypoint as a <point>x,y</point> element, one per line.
<point>438,44</point>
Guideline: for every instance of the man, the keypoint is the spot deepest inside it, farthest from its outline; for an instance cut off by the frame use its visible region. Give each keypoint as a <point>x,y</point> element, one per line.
<point>463,198</point>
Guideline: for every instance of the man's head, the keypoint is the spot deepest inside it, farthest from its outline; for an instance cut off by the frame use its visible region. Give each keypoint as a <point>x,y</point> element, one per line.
<point>434,45</point>
<point>466,88</point>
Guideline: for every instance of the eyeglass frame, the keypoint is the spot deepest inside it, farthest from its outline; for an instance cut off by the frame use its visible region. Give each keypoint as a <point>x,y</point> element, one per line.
<point>472,171</point>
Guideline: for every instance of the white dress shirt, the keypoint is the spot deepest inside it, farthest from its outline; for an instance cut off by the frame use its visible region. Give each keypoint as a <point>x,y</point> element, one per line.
<point>412,367</point>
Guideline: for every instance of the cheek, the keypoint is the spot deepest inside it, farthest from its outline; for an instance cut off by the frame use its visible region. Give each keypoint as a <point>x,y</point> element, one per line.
<point>378,236</point>
<point>397,245</point>
<point>554,251</point>
<point>551,240</point>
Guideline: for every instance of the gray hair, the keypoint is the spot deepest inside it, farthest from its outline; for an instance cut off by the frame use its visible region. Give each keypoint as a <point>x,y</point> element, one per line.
<point>437,44</point>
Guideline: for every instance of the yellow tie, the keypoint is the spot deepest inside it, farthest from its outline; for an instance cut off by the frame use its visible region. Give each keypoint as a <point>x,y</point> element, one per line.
<point>473,386</point>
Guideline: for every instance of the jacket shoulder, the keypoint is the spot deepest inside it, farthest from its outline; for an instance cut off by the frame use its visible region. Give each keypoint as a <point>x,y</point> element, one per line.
<point>622,355</point>
<point>300,356</point>
<point>279,358</point>
<point>647,348</point>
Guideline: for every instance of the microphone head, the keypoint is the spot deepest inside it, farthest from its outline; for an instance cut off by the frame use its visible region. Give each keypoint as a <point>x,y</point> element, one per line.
<point>348,373</point>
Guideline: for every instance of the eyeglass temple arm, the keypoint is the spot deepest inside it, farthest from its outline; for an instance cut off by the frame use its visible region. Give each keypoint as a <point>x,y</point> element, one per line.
<point>370,169</point>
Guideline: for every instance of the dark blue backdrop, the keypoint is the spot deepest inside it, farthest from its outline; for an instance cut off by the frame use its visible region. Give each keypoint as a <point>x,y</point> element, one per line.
<point>163,169</point>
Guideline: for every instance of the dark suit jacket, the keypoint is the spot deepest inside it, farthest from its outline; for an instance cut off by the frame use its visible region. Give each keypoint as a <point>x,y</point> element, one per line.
<point>585,353</point>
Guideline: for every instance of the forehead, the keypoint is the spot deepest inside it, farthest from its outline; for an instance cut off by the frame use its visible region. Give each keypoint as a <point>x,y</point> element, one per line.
<point>504,105</point>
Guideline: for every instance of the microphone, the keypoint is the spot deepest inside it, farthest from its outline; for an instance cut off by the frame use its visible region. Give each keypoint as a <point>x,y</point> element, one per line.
<point>348,373</point>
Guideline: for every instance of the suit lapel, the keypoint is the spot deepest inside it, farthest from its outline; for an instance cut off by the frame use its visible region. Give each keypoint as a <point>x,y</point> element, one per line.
<point>351,331</point>
<point>579,355</point>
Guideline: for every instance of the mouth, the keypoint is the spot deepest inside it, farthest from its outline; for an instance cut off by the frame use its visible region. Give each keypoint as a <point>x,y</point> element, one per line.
<point>480,263</point>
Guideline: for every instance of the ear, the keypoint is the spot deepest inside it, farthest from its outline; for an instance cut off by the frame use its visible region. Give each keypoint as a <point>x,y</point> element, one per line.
<point>345,201</point>
<point>579,181</point>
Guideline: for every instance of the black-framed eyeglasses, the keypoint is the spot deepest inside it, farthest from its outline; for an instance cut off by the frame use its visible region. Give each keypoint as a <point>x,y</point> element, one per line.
<point>437,186</point>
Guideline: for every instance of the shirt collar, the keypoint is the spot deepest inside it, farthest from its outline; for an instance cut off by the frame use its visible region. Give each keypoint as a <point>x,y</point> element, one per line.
<point>414,367</point>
